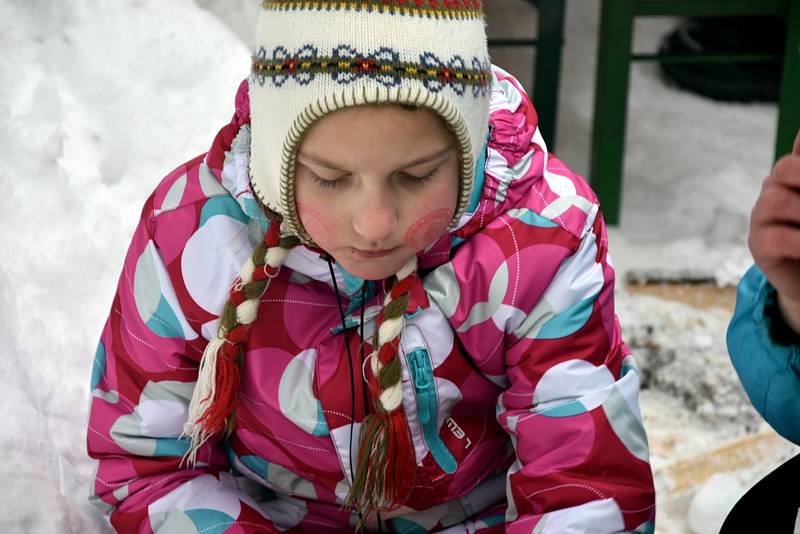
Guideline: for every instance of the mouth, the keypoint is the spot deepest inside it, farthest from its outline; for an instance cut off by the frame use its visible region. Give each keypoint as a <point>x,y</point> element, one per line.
<point>372,254</point>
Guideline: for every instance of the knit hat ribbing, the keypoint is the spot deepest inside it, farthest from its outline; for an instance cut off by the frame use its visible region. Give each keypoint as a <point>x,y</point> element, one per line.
<point>315,57</point>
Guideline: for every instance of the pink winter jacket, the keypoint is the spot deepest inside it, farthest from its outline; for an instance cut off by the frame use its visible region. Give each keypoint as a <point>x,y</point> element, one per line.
<point>521,397</point>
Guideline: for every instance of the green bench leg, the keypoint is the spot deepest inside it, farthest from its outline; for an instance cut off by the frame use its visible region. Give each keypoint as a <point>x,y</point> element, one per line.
<point>789,105</point>
<point>610,104</point>
<point>548,66</point>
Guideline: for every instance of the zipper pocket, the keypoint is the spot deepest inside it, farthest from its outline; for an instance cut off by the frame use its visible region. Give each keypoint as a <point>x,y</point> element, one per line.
<point>427,408</point>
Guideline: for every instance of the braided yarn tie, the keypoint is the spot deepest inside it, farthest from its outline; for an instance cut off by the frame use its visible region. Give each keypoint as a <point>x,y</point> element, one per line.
<point>386,458</point>
<point>215,394</point>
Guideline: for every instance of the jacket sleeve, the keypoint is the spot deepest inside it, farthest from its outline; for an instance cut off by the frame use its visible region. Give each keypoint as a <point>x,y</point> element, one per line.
<point>571,405</point>
<point>143,376</point>
<point>533,306</point>
<point>768,370</point>
<point>530,294</point>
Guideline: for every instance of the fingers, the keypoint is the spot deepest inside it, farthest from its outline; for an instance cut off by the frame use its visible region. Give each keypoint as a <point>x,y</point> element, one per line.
<point>775,218</point>
<point>777,204</point>
<point>775,224</point>
<point>787,171</point>
<point>796,149</point>
<point>775,242</point>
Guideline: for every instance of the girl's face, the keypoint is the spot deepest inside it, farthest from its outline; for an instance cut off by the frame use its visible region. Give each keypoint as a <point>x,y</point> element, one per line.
<point>376,184</point>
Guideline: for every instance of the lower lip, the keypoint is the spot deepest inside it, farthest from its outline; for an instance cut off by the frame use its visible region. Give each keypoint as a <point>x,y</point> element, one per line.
<point>367,255</point>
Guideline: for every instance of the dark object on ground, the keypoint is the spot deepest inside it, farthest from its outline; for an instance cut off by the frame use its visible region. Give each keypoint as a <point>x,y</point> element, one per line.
<point>769,506</point>
<point>665,276</point>
<point>742,81</point>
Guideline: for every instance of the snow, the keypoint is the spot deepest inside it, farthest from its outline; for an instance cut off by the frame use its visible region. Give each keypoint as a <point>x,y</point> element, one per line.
<point>708,509</point>
<point>98,100</point>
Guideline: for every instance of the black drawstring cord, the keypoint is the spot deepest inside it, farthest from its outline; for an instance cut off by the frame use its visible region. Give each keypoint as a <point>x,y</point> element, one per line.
<point>350,363</point>
<point>361,334</point>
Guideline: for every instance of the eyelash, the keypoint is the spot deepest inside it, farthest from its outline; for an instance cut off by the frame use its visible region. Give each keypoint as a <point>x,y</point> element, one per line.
<point>326,184</point>
<point>418,180</point>
<point>413,180</point>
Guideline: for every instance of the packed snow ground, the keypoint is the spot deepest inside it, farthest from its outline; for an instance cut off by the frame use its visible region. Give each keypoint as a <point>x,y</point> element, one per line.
<point>98,100</point>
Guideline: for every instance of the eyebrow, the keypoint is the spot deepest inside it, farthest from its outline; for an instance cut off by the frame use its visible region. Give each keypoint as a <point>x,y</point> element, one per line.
<point>332,166</point>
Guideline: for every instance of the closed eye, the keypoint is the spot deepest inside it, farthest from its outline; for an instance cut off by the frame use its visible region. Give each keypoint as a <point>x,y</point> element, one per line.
<point>328,184</point>
<point>419,180</point>
<point>410,179</point>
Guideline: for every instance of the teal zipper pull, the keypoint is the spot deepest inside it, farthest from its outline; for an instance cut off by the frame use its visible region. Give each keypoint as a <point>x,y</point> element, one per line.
<point>427,410</point>
<point>420,375</point>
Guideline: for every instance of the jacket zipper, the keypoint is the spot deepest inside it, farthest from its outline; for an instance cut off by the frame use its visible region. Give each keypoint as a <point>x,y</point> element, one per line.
<point>427,408</point>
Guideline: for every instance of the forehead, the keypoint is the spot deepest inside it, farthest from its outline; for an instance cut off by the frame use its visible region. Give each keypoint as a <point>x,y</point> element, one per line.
<point>376,136</point>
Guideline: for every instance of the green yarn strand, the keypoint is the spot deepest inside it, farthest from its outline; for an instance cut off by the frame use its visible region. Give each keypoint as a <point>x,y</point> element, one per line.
<point>396,308</point>
<point>259,254</point>
<point>288,242</point>
<point>363,493</point>
<point>228,319</point>
<point>390,375</point>
<point>253,290</point>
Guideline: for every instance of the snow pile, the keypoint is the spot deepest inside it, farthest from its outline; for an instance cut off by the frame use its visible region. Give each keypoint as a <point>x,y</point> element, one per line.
<point>680,351</point>
<point>98,100</point>
<point>711,504</point>
<point>694,408</point>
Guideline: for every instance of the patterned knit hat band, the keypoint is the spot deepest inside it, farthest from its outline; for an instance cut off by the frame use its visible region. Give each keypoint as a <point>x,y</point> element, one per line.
<point>313,58</point>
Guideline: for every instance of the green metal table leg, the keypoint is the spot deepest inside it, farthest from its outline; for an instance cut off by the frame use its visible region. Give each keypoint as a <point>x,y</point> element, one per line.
<point>789,104</point>
<point>548,66</point>
<point>610,104</point>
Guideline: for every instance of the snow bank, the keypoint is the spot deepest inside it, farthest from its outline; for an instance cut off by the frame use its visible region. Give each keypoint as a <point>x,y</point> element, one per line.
<point>98,100</point>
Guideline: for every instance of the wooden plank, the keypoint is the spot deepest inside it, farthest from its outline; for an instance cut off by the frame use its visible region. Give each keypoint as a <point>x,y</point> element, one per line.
<point>689,474</point>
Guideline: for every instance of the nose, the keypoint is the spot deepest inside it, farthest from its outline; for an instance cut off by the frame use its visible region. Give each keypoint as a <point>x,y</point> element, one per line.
<point>376,219</point>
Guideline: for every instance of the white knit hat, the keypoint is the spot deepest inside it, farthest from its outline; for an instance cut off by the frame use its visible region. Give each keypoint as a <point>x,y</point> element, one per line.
<point>315,57</point>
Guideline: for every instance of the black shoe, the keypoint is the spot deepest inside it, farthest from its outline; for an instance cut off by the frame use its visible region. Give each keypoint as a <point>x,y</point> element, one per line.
<point>735,81</point>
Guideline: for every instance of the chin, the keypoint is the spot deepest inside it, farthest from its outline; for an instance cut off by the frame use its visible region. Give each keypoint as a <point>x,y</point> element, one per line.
<point>373,270</point>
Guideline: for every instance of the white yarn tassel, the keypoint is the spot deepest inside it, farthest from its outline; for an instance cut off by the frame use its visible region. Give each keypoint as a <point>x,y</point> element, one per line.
<point>375,364</point>
<point>390,329</point>
<point>407,269</point>
<point>246,272</point>
<point>391,397</point>
<point>247,311</point>
<point>202,395</point>
<point>275,256</point>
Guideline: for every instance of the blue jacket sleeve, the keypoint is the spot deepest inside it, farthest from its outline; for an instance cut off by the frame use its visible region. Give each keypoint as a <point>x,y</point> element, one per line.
<point>769,371</point>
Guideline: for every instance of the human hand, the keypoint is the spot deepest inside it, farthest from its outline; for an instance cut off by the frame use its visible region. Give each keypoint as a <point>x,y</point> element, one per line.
<point>775,233</point>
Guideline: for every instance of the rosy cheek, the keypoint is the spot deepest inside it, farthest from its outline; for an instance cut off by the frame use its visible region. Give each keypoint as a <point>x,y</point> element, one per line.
<point>427,228</point>
<point>317,226</point>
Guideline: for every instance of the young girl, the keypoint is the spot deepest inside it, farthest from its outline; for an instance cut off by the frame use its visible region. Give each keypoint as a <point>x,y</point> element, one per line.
<point>377,302</point>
